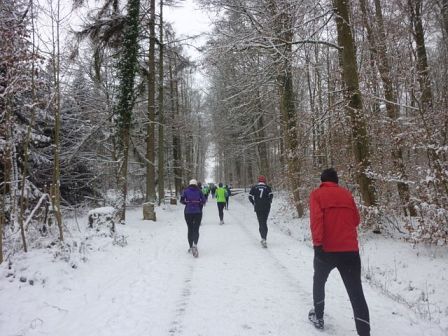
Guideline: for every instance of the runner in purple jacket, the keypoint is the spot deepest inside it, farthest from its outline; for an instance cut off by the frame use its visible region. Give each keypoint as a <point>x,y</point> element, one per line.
<point>194,201</point>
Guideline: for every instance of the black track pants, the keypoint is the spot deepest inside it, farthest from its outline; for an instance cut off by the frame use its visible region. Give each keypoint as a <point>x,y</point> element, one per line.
<point>263,223</point>
<point>349,266</point>
<point>193,223</point>
<point>221,206</point>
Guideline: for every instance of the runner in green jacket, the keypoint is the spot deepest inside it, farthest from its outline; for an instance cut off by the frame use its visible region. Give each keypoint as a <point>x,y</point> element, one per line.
<point>206,191</point>
<point>221,194</point>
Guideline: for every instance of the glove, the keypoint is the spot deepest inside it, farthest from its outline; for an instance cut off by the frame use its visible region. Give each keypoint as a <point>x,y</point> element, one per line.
<point>318,250</point>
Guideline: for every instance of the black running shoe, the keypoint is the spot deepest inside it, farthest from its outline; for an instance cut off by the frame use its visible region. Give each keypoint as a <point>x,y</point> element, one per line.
<point>194,251</point>
<point>318,322</point>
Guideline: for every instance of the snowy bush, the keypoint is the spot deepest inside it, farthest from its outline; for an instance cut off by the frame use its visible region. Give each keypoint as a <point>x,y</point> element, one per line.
<point>431,225</point>
<point>71,252</point>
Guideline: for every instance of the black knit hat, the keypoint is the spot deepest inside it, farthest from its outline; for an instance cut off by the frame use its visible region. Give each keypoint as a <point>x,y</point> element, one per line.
<point>329,175</point>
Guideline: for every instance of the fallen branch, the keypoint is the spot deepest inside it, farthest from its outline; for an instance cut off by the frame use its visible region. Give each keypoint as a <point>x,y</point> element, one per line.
<point>28,220</point>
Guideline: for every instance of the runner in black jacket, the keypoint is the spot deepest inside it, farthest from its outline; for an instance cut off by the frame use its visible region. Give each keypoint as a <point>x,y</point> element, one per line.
<point>261,197</point>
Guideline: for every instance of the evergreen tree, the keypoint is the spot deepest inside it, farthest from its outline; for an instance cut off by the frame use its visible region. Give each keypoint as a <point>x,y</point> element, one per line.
<point>126,96</point>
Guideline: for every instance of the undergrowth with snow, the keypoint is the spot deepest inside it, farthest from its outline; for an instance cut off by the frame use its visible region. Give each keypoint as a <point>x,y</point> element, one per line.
<point>413,274</point>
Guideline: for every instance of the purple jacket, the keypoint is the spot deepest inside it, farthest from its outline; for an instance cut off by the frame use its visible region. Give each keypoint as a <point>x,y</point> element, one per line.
<point>194,200</point>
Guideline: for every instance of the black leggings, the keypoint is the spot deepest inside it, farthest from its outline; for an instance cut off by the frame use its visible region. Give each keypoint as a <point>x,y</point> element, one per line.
<point>349,266</point>
<point>263,223</point>
<point>193,223</point>
<point>221,206</point>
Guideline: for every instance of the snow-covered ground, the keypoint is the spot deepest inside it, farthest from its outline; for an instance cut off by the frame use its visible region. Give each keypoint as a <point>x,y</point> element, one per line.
<point>152,286</point>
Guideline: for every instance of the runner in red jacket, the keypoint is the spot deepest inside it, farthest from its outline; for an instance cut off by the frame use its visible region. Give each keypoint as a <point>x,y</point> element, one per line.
<point>334,218</point>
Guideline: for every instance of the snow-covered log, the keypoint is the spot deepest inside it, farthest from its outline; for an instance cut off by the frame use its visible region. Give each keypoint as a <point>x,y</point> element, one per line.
<point>102,217</point>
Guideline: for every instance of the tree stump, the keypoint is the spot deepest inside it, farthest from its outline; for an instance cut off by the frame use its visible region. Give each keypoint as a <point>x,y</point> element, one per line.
<point>173,201</point>
<point>148,211</point>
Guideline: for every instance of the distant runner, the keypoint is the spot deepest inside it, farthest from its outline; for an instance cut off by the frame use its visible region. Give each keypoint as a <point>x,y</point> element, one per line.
<point>261,197</point>
<point>221,194</point>
<point>194,201</point>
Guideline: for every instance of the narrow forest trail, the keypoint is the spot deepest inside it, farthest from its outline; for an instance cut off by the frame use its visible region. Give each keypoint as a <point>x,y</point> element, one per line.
<point>154,287</point>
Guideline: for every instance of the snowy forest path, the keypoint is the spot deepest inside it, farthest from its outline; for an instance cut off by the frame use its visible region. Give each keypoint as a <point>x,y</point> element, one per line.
<point>254,291</point>
<point>153,287</point>
<point>237,287</point>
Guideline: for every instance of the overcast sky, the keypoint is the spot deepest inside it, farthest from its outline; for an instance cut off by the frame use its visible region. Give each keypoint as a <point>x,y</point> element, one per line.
<point>188,20</point>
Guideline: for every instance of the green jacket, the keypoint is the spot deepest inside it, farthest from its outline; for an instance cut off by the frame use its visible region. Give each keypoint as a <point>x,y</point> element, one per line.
<point>221,194</point>
<point>205,190</point>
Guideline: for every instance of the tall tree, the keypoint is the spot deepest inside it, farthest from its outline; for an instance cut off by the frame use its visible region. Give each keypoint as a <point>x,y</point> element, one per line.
<point>126,95</point>
<point>28,133</point>
<point>161,139</point>
<point>55,192</point>
<point>284,35</point>
<point>176,142</point>
<point>150,130</point>
<point>260,130</point>
<point>377,42</point>
<point>445,18</point>
<point>416,8</point>
<point>426,95</point>
<point>354,108</point>
<point>16,63</point>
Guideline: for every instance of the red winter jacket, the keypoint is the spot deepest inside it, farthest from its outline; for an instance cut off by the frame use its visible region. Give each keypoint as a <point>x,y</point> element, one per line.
<point>334,218</point>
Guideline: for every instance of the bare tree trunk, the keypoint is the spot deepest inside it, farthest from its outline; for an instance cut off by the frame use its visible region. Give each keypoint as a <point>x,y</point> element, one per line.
<point>379,49</point>
<point>123,170</point>
<point>324,149</point>
<point>180,163</point>
<point>261,141</point>
<point>186,144</point>
<point>188,131</point>
<point>161,147</point>
<point>284,36</point>
<point>288,113</point>
<point>426,99</point>
<point>10,192</point>
<point>5,127</point>
<point>177,156</point>
<point>4,190</point>
<point>330,98</point>
<point>445,18</point>
<point>15,191</point>
<point>415,7</point>
<point>56,184</point>
<point>249,174</point>
<point>315,120</point>
<point>150,130</point>
<point>354,109</point>
<point>28,135</point>
<point>444,12</point>
<point>2,221</point>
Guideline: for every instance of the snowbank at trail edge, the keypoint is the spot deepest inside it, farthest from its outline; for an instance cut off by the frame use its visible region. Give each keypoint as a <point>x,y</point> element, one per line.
<point>412,274</point>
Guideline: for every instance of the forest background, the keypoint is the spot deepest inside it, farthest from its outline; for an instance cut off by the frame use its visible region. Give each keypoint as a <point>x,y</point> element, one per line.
<point>113,113</point>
